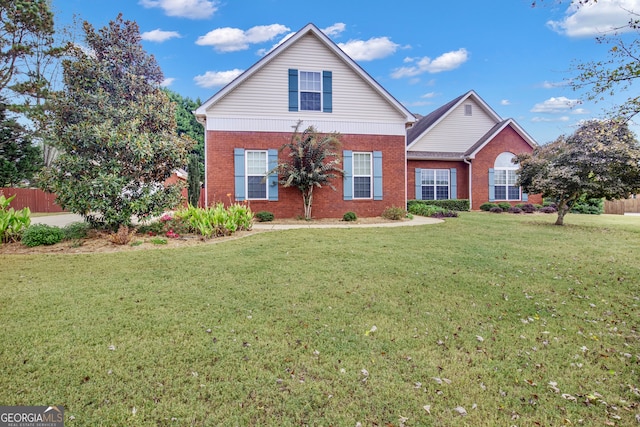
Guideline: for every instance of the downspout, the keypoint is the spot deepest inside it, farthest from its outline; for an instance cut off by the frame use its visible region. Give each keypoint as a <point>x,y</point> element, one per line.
<point>203,122</point>
<point>467,160</point>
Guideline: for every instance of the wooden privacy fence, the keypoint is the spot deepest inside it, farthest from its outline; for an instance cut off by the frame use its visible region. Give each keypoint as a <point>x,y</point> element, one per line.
<point>33,198</point>
<point>39,201</point>
<point>619,207</point>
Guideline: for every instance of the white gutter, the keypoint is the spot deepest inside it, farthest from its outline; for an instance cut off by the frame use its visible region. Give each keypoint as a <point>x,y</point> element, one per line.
<point>467,160</point>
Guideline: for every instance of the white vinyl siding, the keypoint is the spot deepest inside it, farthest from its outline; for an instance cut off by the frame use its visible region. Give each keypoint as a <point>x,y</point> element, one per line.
<point>353,99</point>
<point>457,132</point>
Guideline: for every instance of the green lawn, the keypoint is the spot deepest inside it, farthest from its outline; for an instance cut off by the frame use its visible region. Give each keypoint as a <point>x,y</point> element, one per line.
<point>515,320</point>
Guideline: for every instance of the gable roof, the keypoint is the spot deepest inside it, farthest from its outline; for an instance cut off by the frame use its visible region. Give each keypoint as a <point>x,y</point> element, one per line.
<point>308,29</point>
<point>427,123</point>
<point>494,131</point>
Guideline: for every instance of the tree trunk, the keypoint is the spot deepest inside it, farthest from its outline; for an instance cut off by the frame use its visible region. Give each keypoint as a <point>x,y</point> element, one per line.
<point>307,197</point>
<point>562,211</point>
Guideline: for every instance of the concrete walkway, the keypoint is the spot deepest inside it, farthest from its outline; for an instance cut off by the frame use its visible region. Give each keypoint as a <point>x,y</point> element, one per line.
<point>60,220</point>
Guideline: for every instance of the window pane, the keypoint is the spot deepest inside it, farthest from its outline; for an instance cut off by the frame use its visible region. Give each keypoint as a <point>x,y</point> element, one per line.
<point>501,192</point>
<point>361,187</point>
<point>310,101</point>
<point>256,189</point>
<point>427,177</point>
<point>442,177</point>
<point>309,81</point>
<point>362,164</point>
<point>500,177</point>
<point>256,162</point>
<point>427,193</point>
<point>442,192</point>
<point>514,193</point>
<point>512,177</point>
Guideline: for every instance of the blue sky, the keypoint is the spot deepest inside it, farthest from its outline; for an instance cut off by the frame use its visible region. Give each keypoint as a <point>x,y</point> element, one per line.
<point>424,52</point>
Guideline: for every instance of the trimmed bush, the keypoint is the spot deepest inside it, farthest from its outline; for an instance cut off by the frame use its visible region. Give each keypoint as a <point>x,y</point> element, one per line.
<point>528,208</point>
<point>450,204</point>
<point>350,216</point>
<point>496,209</point>
<point>487,206</point>
<point>505,206</point>
<point>76,230</point>
<point>445,214</point>
<point>42,234</point>
<point>394,213</point>
<point>549,209</point>
<point>514,210</point>
<point>264,216</point>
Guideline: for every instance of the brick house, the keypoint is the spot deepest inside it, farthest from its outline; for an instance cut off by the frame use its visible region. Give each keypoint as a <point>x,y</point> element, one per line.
<point>463,150</point>
<point>307,78</point>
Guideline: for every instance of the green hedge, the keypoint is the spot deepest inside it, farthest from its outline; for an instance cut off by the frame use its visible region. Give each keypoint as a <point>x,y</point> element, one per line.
<point>450,204</point>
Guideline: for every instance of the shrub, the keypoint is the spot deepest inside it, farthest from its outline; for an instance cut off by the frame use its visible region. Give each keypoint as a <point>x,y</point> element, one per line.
<point>445,214</point>
<point>12,222</point>
<point>488,206</point>
<point>76,230</point>
<point>528,208</point>
<point>588,206</point>
<point>216,220</point>
<point>505,206</point>
<point>394,213</point>
<point>496,209</point>
<point>451,204</point>
<point>122,236</point>
<point>349,216</point>
<point>152,229</point>
<point>549,209</point>
<point>42,234</point>
<point>264,216</point>
<point>424,210</point>
<point>514,210</point>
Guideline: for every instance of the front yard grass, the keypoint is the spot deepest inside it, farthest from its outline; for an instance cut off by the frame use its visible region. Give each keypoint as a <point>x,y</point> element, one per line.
<point>505,318</point>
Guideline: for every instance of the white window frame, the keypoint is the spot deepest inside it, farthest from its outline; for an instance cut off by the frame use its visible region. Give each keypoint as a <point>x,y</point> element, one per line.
<point>434,173</point>
<point>370,175</point>
<point>301,90</point>
<point>262,175</point>
<point>504,168</point>
<point>468,109</point>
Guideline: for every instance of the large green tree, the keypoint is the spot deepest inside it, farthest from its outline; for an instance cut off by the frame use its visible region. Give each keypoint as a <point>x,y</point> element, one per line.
<point>116,131</point>
<point>19,158</point>
<point>601,159</point>
<point>313,162</point>
<point>186,123</point>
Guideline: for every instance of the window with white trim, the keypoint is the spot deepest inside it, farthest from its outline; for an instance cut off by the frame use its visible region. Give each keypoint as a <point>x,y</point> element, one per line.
<point>435,184</point>
<point>362,175</point>
<point>505,178</point>
<point>310,91</point>
<point>256,171</point>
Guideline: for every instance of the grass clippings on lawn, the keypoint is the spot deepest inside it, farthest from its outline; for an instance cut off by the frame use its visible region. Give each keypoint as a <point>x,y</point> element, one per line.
<point>482,320</point>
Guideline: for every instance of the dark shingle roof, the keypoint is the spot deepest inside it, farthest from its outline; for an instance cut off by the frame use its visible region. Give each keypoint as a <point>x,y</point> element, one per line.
<point>485,137</point>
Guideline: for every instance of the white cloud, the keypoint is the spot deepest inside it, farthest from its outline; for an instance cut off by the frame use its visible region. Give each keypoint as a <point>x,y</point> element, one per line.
<point>335,30</point>
<point>194,9</point>
<point>560,104</point>
<point>367,50</point>
<point>159,36</point>
<point>216,78</point>
<point>548,119</point>
<point>596,18</point>
<point>262,52</point>
<point>445,62</point>
<point>429,95</point>
<point>552,85</point>
<point>167,82</point>
<point>505,102</point>
<point>229,39</point>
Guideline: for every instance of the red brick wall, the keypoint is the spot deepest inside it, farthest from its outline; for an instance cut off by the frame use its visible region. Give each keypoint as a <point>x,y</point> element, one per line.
<point>462,175</point>
<point>506,141</point>
<point>326,202</point>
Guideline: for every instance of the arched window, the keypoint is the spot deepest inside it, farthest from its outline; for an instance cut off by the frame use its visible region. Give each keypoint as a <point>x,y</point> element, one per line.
<point>505,177</point>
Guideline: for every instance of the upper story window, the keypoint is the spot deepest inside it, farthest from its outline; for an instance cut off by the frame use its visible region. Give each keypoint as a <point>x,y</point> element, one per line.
<point>310,91</point>
<point>468,110</point>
